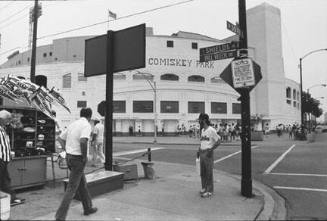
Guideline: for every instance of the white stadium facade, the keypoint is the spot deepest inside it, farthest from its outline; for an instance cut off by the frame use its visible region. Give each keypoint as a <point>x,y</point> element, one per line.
<point>184,86</point>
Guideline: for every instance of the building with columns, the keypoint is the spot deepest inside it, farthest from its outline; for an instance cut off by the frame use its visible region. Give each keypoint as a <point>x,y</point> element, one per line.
<point>184,87</point>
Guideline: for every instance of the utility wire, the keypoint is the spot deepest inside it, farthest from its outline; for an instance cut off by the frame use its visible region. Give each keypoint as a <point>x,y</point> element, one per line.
<point>6,19</point>
<point>20,18</point>
<point>6,6</point>
<point>119,18</point>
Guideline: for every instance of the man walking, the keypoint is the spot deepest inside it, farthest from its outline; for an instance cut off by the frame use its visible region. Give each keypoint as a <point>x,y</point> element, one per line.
<point>97,142</point>
<point>210,140</point>
<point>74,140</point>
<point>5,181</point>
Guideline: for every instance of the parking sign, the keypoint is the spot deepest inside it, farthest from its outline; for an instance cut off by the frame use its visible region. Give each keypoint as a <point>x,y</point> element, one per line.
<point>242,72</point>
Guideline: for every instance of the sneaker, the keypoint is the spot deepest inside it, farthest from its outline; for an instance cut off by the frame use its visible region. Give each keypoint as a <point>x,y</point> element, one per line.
<point>206,195</point>
<point>90,211</point>
<point>17,201</point>
<point>202,191</point>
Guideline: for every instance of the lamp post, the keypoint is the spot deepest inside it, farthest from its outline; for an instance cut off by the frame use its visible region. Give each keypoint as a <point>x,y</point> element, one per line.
<point>154,88</point>
<point>308,90</point>
<point>311,52</point>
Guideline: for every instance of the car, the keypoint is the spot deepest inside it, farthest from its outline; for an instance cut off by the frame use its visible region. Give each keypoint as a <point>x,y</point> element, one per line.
<point>321,128</point>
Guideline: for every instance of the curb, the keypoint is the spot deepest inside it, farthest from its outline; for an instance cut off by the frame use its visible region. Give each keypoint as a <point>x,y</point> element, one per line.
<point>274,207</point>
<point>274,204</point>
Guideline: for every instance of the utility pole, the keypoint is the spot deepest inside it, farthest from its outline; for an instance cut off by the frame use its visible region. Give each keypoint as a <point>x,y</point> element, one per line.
<point>33,58</point>
<point>155,111</point>
<point>246,182</point>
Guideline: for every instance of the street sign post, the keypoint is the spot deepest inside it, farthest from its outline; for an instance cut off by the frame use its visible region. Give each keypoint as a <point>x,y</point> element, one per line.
<point>114,52</point>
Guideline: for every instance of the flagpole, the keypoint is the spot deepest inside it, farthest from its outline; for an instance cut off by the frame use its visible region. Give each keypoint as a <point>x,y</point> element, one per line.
<point>108,18</point>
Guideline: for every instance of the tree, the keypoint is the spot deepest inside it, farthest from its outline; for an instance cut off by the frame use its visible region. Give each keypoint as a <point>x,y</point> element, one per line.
<point>311,105</point>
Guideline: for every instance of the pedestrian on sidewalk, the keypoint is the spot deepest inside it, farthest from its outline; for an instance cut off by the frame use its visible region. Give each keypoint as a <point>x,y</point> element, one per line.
<point>74,140</point>
<point>97,141</point>
<point>5,157</point>
<point>210,140</point>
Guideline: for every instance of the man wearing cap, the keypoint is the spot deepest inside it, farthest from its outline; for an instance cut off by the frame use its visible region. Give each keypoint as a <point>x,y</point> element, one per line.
<point>210,140</point>
<point>5,118</point>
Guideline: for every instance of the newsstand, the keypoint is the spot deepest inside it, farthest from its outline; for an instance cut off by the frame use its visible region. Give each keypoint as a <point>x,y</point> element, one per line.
<point>32,139</point>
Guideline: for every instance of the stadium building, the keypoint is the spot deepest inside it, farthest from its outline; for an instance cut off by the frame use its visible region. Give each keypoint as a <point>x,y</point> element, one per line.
<point>174,82</point>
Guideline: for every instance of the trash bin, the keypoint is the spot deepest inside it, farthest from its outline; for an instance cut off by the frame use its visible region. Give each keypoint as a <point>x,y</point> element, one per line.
<point>4,206</point>
<point>148,170</point>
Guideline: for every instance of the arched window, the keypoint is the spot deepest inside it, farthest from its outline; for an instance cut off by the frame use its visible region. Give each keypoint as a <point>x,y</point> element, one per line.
<point>81,77</point>
<point>143,76</point>
<point>118,76</point>
<point>169,77</point>
<point>67,81</point>
<point>288,92</point>
<point>216,80</point>
<point>294,94</point>
<point>196,78</point>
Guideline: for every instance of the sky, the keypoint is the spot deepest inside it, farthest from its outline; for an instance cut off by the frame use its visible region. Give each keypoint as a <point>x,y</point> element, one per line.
<point>304,26</point>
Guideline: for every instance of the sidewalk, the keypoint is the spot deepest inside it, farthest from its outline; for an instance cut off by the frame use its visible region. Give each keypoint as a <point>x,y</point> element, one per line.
<point>173,195</point>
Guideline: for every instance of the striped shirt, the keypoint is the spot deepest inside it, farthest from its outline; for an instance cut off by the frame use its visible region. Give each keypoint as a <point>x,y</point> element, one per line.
<point>4,145</point>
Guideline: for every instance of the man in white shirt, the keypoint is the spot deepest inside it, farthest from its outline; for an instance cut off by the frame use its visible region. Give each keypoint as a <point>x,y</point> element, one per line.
<point>210,140</point>
<point>74,140</point>
<point>97,141</point>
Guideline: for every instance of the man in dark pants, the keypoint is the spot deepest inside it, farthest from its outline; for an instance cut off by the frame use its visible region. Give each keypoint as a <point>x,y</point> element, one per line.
<point>5,118</point>
<point>210,140</point>
<point>74,140</point>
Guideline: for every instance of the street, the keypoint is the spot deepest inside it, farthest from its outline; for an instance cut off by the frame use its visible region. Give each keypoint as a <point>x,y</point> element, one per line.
<point>295,169</point>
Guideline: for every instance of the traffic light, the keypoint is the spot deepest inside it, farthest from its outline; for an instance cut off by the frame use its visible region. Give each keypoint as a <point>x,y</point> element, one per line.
<point>102,108</point>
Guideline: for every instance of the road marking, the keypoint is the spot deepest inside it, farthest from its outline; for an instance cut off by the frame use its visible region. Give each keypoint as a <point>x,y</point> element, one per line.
<point>135,151</point>
<point>274,164</point>
<point>230,155</point>
<point>299,174</point>
<point>300,188</point>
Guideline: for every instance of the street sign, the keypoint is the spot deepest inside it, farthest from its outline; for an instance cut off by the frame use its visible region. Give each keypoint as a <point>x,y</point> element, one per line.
<point>227,75</point>
<point>219,48</point>
<point>128,51</point>
<point>234,28</point>
<point>242,72</point>
<point>218,56</point>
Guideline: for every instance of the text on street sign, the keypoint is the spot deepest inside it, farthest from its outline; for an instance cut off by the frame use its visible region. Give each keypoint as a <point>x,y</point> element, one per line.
<point>242,72</point>
<point>219,48</point>
<point>218,56</point>
<point>233,28</point>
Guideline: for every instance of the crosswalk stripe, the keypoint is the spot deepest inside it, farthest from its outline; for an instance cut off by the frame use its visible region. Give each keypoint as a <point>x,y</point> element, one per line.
<point>300,188</point>
<point>274,164</point>
<point>135,151</point>
<point>298,174</point>
<point>230,155</point>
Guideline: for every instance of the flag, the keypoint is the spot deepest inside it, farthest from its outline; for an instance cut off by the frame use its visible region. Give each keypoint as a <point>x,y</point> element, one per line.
<point>112,15</point>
